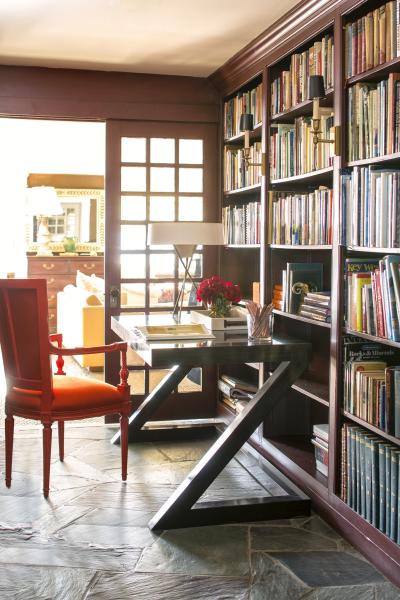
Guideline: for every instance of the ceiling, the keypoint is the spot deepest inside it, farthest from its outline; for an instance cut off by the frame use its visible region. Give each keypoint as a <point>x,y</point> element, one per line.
<point>175,37</point>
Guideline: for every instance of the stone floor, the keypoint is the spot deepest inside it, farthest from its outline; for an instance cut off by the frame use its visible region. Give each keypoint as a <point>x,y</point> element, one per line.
<point>90,539</point>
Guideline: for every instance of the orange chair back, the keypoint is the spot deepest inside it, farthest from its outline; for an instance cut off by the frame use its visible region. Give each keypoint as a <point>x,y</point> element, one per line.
<point>24,336</point>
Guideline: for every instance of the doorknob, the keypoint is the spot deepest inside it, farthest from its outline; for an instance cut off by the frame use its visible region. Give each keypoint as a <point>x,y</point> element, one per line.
<point>114,296</point>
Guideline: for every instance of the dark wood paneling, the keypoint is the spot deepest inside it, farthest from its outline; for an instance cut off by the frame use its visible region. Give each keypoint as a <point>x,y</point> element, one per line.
<point>95,95</point>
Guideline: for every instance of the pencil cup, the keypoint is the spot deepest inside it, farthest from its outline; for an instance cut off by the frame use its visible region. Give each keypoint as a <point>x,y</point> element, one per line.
<point>260,326</point>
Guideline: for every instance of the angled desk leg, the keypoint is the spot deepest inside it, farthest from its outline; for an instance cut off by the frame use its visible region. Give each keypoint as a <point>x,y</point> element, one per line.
<point>148,407</point>
<point>177,511</point>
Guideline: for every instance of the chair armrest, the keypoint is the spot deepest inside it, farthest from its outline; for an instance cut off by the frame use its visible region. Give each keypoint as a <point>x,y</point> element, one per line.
<point>115,347</point>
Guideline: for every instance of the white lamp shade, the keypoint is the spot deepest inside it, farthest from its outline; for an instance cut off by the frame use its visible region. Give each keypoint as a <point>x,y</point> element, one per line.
<point>186,233</point>
<point>43,200</point>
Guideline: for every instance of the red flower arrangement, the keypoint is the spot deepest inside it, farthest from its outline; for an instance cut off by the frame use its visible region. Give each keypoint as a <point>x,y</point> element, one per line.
<point>218,294</point>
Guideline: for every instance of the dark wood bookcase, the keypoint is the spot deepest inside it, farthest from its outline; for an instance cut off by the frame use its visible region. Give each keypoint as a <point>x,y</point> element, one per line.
<point>317,396</point>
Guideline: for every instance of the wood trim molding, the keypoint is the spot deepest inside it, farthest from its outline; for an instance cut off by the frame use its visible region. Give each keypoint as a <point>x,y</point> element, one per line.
<point>67,181</point>
<point>281,37</point>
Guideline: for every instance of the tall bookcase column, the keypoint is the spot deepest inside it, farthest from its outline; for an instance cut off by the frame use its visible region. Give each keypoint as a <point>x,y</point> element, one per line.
<point>337,291</point>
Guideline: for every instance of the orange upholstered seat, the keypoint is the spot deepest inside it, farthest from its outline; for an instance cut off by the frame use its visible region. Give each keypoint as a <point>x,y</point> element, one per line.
<point>33,392</point>
<point>69,394</point>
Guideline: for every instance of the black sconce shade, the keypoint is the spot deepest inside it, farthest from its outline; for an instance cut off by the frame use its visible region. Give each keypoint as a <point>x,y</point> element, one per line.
<point>246,122</point>
<point>316,87</point>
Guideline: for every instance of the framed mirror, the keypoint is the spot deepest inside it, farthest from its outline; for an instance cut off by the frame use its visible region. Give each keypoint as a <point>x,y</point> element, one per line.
<point>82,200</point>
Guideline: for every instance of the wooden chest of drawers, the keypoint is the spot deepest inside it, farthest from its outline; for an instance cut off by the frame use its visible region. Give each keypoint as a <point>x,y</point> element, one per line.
<point>59,271</point>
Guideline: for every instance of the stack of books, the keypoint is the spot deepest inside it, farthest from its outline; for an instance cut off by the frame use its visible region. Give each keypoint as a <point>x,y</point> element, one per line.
<point>374,123</point>
<point>292,148</point>
<point>373,296</point>
<point>372,384</point>
<point>321,447</point>
<point>291,87</point>
<point>372,39</point>
<point>242,223</point>
<point>298,279</point>
<point>371,207</point>
<point>245,102</point>
<point>277,297</point>
<point>317,306</point>
<point>370,482</point>
<point>236,174</point>
<point>301,219</point>
<point>236,393</point>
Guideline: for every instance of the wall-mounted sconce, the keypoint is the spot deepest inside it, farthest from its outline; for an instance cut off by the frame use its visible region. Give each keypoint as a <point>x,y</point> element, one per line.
<point>316,92</point>
<point>247,125</point>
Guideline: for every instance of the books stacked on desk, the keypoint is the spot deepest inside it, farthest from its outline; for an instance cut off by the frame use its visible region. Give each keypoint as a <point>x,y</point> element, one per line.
<point>296,278</point>
<point>373,296</point>
<point>235,392</point>
<point>317,306</point>
<point>320,441</point>
<point>370,485</point>
<point>372,384</point>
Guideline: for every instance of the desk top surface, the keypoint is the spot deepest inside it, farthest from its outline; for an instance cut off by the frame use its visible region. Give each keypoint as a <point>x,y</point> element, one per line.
<point>227,347</point>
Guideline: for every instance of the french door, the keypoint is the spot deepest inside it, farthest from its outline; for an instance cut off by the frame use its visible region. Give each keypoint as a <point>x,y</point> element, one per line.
<point>157,171</point>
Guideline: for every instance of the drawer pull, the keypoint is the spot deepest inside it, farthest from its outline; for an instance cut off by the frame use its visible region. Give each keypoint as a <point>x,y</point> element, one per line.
<point>51,280</point>
<point>48,267</point>
<point>91,266</point>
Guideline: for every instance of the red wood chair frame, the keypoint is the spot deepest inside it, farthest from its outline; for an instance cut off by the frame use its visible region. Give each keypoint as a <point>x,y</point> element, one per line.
<point>27,348</point>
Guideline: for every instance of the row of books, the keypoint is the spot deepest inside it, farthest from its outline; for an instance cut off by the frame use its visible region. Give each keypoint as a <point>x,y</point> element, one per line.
<point>297,280</point>
<point>236,174</point>
<point>373,295</point>
<point>292,149</point>
<point>371,388</point>
<point>316,306</point>
<point>372,39</point>
<point>242,223</point>
<point>371,207</point>
<point>320,441</point>
<point>371,481</point>
<point>291,87</point>
<point>374,118</point>
<point>301,219</point>
<point>245,102</point>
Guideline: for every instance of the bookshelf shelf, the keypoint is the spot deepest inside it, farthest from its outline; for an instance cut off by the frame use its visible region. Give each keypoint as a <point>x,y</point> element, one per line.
<point>299,450</point>
<point>280,313</point>
<point>239,138</point>
<point>299,247</point>
<point>373,250</point>
<point>313,389</point>
<point>386,158</point>
<point>376,73</point>
<point>372,338</point>
<point>244,190</point>
<point>302,109</point>
<point>313,177</point>
<point>383,434</point>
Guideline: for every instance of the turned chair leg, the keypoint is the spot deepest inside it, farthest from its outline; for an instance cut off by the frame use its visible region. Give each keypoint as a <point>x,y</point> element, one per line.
<point>124,446</point>
<point>9,431</point>
<point>61,440</point>
<point>46,457</point>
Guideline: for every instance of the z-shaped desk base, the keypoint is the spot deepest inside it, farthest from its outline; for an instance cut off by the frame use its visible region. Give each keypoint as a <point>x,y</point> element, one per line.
<point>180,510</point>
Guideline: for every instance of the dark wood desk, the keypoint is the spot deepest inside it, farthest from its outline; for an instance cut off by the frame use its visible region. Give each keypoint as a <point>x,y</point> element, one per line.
<point>288,359</point>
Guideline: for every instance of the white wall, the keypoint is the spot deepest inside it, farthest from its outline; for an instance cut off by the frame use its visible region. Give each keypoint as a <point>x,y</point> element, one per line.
<point>36,146</point>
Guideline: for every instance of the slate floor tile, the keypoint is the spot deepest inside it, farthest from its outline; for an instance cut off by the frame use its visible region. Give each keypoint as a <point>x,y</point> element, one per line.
<point>324,569</point>
<point>272,581</point>
<point>273,539</point>
<point>116,516</point>
<point>221,550</point>
<point>316,525</point>
<point>108,536</point>
<point>167,587</point>
<point>346,592</point>
<point>22,582</point>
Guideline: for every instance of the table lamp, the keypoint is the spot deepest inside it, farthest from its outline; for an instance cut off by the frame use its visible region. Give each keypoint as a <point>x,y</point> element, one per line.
<point>185,237</point>
<point>43,202</point>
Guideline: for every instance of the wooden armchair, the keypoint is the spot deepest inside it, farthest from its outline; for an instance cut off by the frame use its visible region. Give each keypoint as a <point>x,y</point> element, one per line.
<point>33,392</point>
